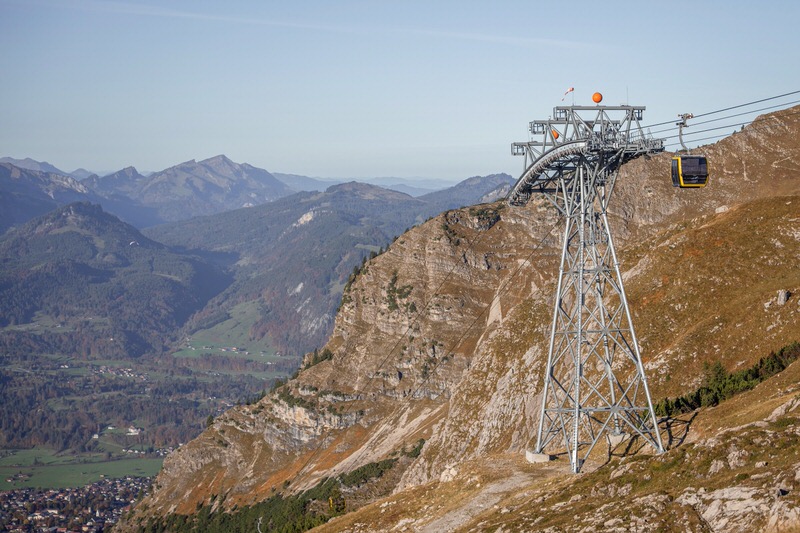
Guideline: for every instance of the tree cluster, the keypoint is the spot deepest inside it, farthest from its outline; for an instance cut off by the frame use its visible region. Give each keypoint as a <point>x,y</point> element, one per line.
<point>719,385</point>
<point>279,513</point>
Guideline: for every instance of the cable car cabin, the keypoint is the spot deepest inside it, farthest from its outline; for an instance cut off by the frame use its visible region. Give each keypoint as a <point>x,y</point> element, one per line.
<point>689,171</point>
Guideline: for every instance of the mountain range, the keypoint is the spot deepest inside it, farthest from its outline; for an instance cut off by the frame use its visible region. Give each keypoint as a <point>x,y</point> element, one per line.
<point>199,188</point>
<point>296,182</point>
<point>193,188</point>
<point>294,255</point>
<point>25,194</point>
<point>294,266</point>
<point>41,166</point>
<point>418,411</point>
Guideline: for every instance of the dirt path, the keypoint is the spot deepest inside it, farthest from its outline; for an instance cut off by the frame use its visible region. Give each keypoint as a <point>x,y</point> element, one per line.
<point>484,500</point>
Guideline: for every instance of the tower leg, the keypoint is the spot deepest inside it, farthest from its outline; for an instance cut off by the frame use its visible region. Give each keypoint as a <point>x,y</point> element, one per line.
<point>594,381</point>
<point>655,435</point>
<point>542,435</point>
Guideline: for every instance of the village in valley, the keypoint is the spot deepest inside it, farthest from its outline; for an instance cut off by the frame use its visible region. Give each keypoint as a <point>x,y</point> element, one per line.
<point>93,508</point>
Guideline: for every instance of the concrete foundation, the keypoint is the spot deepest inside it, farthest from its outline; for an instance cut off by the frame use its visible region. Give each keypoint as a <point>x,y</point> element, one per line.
<point>533,457</point>
<point>616,440</point>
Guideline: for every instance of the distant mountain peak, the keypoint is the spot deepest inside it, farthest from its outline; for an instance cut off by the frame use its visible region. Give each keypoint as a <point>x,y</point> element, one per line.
<point>32,164</point>
<point>365,190</point>
<point>81,174</point>
<point>210,186</point>
<point>218,158</point>
<point>221,164</point>
<point>78,211</point>
<point>353,186</point>
<point>465,192</point>
<point>87,219</point>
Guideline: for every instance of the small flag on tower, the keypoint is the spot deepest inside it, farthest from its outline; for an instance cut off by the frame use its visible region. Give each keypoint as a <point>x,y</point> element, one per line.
<point>566,93</point>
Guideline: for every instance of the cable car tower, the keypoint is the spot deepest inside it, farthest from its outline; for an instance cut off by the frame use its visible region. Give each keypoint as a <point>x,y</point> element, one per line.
<point>594,382</point>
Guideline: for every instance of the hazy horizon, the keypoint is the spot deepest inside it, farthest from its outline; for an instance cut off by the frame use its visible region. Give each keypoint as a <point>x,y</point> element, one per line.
<point>358,88</point>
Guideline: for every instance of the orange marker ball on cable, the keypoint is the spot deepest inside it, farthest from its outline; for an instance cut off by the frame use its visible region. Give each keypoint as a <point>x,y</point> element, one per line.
<point>597,98</point>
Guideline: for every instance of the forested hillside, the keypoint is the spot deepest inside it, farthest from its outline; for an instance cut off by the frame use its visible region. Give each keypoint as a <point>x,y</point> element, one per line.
<point>87,304</point>
<point>100,286</point>
<point>121,329</point>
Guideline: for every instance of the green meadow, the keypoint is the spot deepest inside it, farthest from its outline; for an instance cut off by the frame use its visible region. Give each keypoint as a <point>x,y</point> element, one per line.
<point>43,468</point>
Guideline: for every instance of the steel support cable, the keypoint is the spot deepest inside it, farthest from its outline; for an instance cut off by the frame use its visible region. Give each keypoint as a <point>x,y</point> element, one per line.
<point>710,129</point>
<point>747,104</point>
<point>697,140</point>
<point>727,108</point>
<point>728,116</point>
<point>752,128</point>
<point>747,112</point>
<point>722,136</point>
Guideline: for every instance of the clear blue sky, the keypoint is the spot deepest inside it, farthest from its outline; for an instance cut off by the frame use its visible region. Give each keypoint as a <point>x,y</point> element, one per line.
<point>362,88</point>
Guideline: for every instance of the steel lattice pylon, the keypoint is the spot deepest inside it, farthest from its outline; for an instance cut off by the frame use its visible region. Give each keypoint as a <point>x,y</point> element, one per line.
<point>595,381</point>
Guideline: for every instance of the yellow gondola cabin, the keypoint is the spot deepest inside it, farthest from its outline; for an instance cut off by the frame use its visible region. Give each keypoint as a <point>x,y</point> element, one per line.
<point>689,171</point>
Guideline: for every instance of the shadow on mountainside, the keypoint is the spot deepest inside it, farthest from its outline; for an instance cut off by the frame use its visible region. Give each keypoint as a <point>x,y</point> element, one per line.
<point>674,431</point>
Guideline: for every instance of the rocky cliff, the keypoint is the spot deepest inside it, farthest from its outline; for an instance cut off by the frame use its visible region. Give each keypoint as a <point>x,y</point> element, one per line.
<point>443,338</point>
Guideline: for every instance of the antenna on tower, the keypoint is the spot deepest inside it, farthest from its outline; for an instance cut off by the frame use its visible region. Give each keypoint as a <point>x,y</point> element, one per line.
<point>594,381</point>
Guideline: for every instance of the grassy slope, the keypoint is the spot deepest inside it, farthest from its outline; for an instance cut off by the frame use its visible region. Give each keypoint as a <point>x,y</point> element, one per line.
<point>217,341</point>
<point>701,291</point>
<point>735,446</point>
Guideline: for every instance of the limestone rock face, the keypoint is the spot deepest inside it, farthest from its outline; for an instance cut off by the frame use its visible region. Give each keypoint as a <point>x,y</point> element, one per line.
<point>444,336</point>
<point>405,336</point>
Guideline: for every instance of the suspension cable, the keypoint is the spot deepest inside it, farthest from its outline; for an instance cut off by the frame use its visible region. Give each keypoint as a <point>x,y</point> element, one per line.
<point>727,108</point>
<point>747,104</point>
<point>665,130</point>
<point>753,128</point>
<point>750,129</point>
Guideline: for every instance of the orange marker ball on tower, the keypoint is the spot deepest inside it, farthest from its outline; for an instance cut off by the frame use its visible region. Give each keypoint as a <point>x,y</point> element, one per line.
<point>597,98</point>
